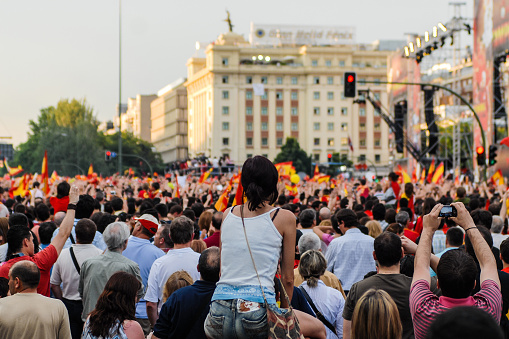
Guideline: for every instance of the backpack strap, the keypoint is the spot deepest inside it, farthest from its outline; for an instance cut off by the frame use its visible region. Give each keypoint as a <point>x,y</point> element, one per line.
<point>73,257</point>
<point>319,315</point>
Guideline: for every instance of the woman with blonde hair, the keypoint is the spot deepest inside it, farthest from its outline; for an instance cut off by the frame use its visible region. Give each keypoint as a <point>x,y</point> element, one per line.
<point>374,228</point>
<point>176,281</point>
<point>376,316</point>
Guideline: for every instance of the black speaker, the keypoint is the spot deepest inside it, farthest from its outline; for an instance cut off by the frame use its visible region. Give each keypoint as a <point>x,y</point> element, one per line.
<point>400,110</point>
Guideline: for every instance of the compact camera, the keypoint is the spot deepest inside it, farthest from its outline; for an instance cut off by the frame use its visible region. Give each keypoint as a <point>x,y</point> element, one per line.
<point>448,211</point>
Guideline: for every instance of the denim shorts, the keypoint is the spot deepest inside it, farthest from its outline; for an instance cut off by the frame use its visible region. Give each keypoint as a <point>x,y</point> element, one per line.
<point>226,319</point>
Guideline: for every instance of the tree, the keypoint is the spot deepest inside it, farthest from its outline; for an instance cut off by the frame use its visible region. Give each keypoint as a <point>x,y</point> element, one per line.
<point>69,133</point>
<point>291,151</point>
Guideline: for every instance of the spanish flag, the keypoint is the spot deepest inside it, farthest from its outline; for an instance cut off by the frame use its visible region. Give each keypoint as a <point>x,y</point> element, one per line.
<point>423,176</point>
<point>239,195</point>
<point>12,171</point>
<point>90,173</point>
<point>404,175</point>
<point>439,173</point>
<point>497,178</point>
<point>204,176</point>
<point>45,174</point>
<point>21,188</point>
<point>317,170</point>
<point>431,170</point>
<point>222,202</point>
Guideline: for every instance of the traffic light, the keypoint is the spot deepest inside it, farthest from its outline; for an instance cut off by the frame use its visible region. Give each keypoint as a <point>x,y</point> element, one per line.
<point>329,157</point>
<point>492,155</point>
<point>481,156</point>
<point>350,84</point>
<point>107,156</point>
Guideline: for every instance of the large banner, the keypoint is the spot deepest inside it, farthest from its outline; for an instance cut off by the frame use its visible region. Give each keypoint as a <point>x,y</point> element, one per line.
<point>500,27</point>
<point>483,67</point>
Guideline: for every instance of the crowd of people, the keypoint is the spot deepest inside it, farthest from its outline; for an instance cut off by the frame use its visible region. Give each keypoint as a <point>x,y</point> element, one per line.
<point>165,257</point>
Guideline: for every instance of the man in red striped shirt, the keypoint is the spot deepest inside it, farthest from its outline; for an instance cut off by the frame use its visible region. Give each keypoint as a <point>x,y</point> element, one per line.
<point>456,274</point>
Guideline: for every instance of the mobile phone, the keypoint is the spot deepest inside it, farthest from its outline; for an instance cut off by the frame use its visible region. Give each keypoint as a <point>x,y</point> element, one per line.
<point>448,211</point>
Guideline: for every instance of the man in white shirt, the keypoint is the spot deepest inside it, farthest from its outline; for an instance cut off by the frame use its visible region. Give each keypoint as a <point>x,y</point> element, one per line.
<point>66,272</point>
<point>496,228</point>
<point>181,257</point>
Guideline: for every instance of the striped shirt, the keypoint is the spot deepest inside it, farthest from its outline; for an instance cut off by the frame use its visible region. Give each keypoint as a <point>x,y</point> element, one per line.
<point>425,306</point>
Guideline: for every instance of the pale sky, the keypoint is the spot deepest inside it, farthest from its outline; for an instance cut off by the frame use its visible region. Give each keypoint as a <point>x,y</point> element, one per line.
<point>57,49</point>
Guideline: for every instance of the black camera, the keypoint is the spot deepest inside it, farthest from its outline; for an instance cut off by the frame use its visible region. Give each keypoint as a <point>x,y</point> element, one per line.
<point>448,211</point>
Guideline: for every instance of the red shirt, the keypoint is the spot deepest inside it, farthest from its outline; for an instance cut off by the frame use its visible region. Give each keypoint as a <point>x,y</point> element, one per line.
<point>506,270</point>
<point>59,205</point>
<point>411,234</point>
<point>214,239</point>
<point>44,260</point>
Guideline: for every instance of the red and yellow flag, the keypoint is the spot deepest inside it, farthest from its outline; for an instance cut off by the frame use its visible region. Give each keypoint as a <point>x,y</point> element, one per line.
<point>20,188</point>
<point>222,202</point>
<point>497,178</point>
<point>45,174</point>
<point>423,177</point>
<point>90,173</point>
<point>204,176</point>
<point>12,171</point>
<point>439,173</point>
<point>431,170</point>
<point>317,170</point>
<point>404,175</point>
<point>239,195</point>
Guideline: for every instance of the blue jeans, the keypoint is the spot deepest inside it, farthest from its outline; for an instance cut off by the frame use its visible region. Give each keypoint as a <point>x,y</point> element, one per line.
<point>226,321</point>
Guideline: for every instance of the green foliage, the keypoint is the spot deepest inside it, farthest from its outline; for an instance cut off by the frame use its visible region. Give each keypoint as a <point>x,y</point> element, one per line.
<point>291,151</point>
<point>69,133</point>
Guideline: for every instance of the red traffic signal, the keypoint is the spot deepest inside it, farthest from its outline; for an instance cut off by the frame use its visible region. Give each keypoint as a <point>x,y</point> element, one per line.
<point>350,78</point>
<point>108,153</point>
<point>329,157</point>
<point>479,150</point>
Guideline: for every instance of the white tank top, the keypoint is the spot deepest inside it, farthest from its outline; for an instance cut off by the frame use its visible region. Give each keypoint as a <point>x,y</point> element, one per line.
<point>266,243</point>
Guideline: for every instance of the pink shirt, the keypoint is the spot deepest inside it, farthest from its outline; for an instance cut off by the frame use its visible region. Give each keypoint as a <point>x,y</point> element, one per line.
<point>425,306</point>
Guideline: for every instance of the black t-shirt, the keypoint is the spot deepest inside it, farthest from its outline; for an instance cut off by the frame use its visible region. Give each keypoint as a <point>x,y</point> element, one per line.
<point>397,286</point>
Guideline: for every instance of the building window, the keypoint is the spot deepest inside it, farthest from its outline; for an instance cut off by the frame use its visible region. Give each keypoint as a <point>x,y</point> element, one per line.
<point>265,155</point>
<point>249,155</point>
<point>264,126</point>
<point>279,80</point>
<point>316,126</point>
<point>344,126</point>
<point>279,110</point>
<point>377,158</point>
<point>225,61</point>
<point>294,111</point>
<point>316,95</point>
<point>295,126</point>
<point>344,111</point>
<point>225,79</point>
<point>264,110</point>
<point>316,141</point>
<point>362,81</point>
<point>377,81</point>
<point>295,80</point>
<point>226,94</point>
<point>316,110</point>
<point>316,157</point>
<point>362,157</point>
<point>279,95</point>
<point>316,80</point>
<point>249,110</point>
<point>377,96</point>
<point>328,63</point>
<point>249,79</point>
<point>226,126</point>
<point>295,96</point>
<point>344,141</point>
<point>362,126</point>
<point>226,110</point>
<point>264,80</point>
<point>330,110</point>
<point>314,63</point>
<point>362,112</point>
<point>279,141</point>
<point>264,96</point>
<point>249,126</point>
<point>265,141</point>
<point>249,95</point>
<point>279,126</point>
<point>377,142</point>
<point>377,126</point>
<point>226,141</point>
<point>330,142</point>
<point>330,80</point>
<point>249,142</point>
<point>341,63</point>
<point>330,95</point>
<point>362,143</point>
<point>330,126</point>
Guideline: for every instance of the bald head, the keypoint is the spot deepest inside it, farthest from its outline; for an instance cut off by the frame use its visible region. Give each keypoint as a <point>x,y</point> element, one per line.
<point>25,275</point>
<point>325,213</point>
<point>59,217</point>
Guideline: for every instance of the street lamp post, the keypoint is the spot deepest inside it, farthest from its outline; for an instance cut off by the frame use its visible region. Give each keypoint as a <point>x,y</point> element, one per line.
<point>120,87</point>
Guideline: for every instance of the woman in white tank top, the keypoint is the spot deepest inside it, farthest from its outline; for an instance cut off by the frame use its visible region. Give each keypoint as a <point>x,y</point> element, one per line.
<point>237,309</point>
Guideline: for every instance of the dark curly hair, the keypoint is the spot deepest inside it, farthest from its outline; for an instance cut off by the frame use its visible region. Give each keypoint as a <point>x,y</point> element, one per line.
<point>116,304</point>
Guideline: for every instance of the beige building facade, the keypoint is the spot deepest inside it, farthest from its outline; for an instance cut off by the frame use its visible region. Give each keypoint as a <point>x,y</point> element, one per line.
<point>137,117</point>
<point>246,99</point>
<point>169,122</point>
